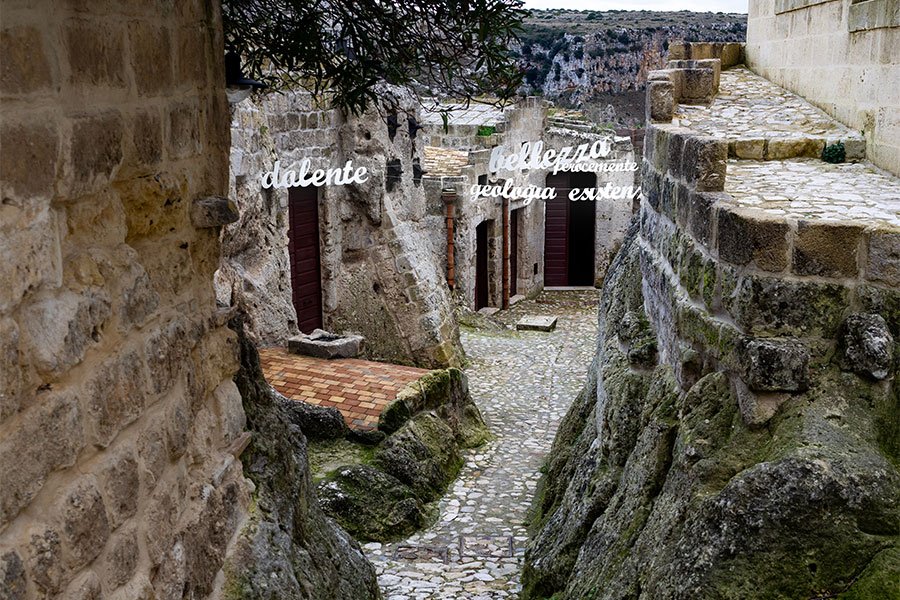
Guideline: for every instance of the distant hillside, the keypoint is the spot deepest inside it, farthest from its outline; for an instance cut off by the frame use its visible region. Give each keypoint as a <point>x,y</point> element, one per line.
<point>589,59</point>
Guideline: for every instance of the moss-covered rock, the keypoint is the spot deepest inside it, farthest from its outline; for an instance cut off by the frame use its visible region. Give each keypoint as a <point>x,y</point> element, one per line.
<point>423,455</point>
<point>653,491</point>
<point>370,504</point>
<point>428,425</point>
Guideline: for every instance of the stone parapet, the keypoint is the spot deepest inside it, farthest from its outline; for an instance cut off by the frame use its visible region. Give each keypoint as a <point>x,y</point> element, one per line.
<point>735,287</point>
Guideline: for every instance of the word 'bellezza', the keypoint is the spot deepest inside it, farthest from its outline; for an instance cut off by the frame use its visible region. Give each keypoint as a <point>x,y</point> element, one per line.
<point>533,156</point>
<point>276,178</point>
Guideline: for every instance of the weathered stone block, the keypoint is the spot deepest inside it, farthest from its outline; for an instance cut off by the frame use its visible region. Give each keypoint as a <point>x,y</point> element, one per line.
<point>167,355</point>
<point>46,438</point>
<point>25,67</point>
<point>35,150</point>
<point>866,346</point>
<point>184,131</point>
<point>120,486</point>
<point>826,249</point>
<point>702,217</point>
<point>697,85</point>
<point>151,56</point>
<point>45,564</point>
<point>121,558</point>
<point>774,364</point>
<point>883,263</point>
<point>780,149</point>
<point>85,528</point>
<point>178,426</point>
<point>96,149</point>
<point>775,306</point>
<point>116,398</point>
<point>660,101</point>
<point>749,236</point>
<point>675,153</point>
<point>705,160</point>
<point>163,509</point>
<point>95,54</point>
<point>192,60</point>
<point>153,454</point>
<point>147,137</point>
<point>748,149</point>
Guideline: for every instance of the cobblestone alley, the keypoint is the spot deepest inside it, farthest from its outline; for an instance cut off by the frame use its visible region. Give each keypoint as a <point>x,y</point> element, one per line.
<point>523,382</point>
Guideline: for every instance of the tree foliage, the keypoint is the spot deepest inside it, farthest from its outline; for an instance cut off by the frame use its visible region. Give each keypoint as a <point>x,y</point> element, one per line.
<point>344,48</point>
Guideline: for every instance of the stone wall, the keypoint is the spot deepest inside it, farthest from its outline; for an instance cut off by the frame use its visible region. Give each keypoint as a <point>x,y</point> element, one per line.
<point>381,273</point>
<point>737,436</point>
<point>842,55</point>
<point>118,413</point>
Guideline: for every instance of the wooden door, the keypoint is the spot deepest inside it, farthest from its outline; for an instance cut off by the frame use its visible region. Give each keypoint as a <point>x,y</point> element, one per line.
<point>481,266</point>
<point>514,251</point>
<point>556,233</point>
<point>303,248</point>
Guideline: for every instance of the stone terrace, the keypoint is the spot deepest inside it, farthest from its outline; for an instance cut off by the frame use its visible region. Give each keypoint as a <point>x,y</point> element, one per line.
<point>811,188</point>
<point>763,120</point>
<point>360,389</point>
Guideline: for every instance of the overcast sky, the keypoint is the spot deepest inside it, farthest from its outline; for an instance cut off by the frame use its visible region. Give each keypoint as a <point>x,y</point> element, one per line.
<point>698,5</point>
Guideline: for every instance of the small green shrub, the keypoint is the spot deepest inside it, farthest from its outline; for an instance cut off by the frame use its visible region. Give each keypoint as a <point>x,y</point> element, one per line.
<point>486,130</point>
<point>834,153</point>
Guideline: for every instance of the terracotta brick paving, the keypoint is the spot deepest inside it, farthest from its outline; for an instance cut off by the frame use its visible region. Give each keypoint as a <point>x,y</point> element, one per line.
<point>360,389</point>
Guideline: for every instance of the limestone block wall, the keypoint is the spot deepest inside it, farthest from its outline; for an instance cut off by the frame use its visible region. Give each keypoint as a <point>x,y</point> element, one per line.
<point>841,55</point>
<point>733,288</point>
<point>118,414</point>
<point>381,275</point>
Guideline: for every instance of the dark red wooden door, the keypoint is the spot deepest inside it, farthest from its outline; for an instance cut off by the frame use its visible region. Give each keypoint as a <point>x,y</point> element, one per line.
<point>556,233</point>
<point>303,248</point>
<point>481,266</point>
<point>514,251</point>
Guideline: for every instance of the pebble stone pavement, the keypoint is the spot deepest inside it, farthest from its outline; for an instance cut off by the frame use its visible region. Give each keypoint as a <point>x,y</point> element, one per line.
<point>523,382</point>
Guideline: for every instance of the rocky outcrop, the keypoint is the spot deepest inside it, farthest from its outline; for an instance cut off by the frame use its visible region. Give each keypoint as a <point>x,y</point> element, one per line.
<point>287,548</point>
<point>658,487</point>
<point>387,494</point>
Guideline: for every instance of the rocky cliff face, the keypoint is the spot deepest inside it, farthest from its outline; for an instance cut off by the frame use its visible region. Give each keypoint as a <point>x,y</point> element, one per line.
<point>584,58</point>
<point>657,491</point>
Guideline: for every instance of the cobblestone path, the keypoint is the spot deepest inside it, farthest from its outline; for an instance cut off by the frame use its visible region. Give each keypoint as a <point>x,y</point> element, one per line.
<point>523,382</point>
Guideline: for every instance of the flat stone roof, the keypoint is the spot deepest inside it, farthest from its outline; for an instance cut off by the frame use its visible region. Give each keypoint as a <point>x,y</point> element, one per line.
<point>459,114</point>
<point>750,107</point>
<point>444,162</point>
<point>809,188</point>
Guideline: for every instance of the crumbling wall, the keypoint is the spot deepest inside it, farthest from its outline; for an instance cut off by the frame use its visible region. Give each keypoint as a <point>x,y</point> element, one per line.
<point>118,415</point>
<point>841,55</point>
<point>381,274</point>
<point>738,434</point>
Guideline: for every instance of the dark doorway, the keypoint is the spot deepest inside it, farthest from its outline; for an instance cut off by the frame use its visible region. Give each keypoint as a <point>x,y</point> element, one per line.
<point>569,245</point>
<point>514,217</point>
<point>303,248</point>
<point>481,266</point>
